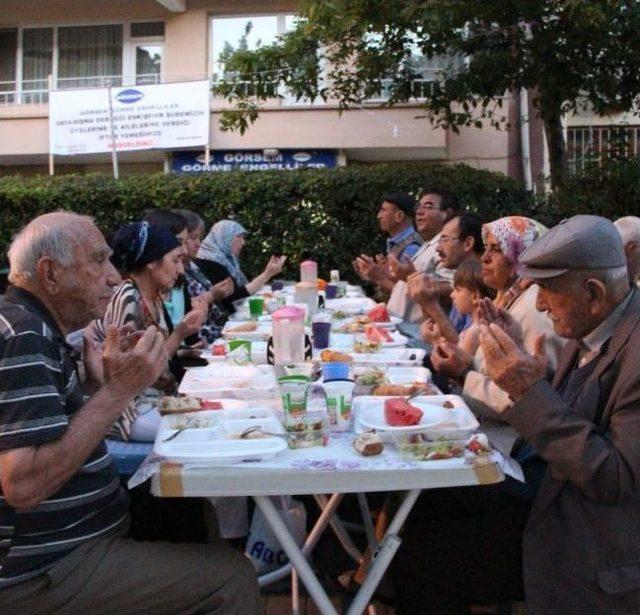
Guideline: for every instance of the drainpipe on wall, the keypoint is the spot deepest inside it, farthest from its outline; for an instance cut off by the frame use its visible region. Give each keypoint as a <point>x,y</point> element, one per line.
<point>525,147</point>
<point>546,166</point>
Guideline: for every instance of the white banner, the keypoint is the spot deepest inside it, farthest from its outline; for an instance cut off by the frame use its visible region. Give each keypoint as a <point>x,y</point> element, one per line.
<point>170,115</point>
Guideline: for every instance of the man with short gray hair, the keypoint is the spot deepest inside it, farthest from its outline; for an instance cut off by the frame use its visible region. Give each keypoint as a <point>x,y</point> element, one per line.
<point>581,546</point>
<point>63,514</point>
<point>629,229</point>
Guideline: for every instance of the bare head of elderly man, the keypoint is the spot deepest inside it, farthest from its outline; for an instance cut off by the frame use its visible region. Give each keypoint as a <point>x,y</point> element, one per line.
<point>629,229</point>
<point>63,259</point>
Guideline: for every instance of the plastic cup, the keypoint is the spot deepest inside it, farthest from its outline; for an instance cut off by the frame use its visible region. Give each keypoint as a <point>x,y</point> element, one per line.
<point>330,291</point>
<point>339,395</point>
<point>321,331</point>
<point>256,305</point>
<point>240,351</point>
<point>335,371</point>
<point>293,392</point>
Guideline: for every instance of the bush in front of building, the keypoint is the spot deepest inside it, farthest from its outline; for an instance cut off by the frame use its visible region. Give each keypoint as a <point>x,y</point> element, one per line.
<point>327,214</point>
<point>610,189</point>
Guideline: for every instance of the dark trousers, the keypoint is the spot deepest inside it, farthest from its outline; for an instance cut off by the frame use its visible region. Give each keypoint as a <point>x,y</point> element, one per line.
<point>120,576</point>
<point>460,547</point>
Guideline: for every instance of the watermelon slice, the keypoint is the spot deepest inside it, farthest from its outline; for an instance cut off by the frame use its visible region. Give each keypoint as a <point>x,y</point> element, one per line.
<point>398,412</point>
<point>209,404</point>
<point>379,313</point>
<point>218,350</point>
<point>378,335</point>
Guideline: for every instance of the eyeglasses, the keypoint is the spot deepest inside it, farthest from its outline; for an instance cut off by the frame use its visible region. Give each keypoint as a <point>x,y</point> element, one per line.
<point>446,239</point>
<point>421,208</point>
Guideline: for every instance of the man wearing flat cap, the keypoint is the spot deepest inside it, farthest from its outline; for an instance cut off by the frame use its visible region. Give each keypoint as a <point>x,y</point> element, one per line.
<point>581,546</point>
<point>395,217</point>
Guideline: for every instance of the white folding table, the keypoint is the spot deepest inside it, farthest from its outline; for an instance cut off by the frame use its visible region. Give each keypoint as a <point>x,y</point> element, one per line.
<point>325,470</point>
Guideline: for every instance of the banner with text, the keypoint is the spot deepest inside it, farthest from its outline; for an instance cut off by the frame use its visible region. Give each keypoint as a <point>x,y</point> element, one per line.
<point>161,116</point>
<point>253,160</point>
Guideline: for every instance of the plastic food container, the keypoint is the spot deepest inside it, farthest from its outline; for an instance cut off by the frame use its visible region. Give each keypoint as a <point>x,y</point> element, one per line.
<point>311,430</point>
<point>414,447</point>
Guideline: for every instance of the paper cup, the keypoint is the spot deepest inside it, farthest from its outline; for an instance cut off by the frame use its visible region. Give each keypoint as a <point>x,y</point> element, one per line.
<point>339,394</point>
<point>293,392</point>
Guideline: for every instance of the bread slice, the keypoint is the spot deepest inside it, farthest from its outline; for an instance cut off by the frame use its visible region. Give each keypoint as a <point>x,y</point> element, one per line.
<point>178,405</point>
<point>245,327</point>
<point>368,443</point>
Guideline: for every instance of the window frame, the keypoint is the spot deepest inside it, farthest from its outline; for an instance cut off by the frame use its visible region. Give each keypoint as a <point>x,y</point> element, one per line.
<point>129,45</point>
<point>281,17</point>
<point>287,99</point>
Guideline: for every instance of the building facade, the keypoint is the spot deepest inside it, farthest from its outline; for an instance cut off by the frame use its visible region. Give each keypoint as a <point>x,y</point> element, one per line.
<point>63,44</point>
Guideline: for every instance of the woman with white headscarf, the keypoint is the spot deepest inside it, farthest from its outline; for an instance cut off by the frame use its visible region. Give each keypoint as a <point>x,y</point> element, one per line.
<point>218,259</point>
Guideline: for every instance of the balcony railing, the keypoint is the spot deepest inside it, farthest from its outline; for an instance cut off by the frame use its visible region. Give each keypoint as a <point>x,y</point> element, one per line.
<point>419,89</point>
<point>36,91</point>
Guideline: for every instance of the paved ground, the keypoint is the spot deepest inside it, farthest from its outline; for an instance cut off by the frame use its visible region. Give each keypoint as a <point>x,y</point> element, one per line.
<point>280,604</point>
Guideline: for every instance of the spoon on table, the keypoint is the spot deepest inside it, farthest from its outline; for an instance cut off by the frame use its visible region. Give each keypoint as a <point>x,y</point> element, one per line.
<point>175,434</point>
<point>258,429</point>
<point>415,394</point>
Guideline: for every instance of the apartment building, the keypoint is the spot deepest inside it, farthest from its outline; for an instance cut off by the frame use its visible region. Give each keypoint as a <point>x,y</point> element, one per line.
<point>63,44</point>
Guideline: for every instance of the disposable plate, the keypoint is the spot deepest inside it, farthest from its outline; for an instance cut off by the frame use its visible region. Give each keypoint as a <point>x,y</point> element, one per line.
<point>391,356</point>
<point>351,305</point>
<point>213,440</point>
<point>261,333</point>
<point>224,375</point>
<point>438,422</point>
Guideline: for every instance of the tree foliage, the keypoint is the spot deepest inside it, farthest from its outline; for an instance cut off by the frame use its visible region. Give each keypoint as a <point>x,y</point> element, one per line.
<point>573,54</point>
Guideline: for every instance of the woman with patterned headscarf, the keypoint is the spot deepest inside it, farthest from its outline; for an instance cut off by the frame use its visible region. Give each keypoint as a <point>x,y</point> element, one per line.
<point>504,240</point>
<point>218,259</point>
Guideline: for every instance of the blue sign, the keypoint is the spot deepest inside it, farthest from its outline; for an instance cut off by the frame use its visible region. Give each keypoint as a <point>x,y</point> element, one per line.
<point>129,96</point>
<point>253,160</point>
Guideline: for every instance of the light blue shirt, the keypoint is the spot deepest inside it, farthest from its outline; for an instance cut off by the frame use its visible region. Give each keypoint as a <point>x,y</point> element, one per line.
<point>410,250</point>
<point>175,305</point>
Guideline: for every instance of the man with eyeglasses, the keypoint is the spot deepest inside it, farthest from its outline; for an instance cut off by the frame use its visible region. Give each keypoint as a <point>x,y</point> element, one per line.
<point>434,207</point>
<point>460,241</point>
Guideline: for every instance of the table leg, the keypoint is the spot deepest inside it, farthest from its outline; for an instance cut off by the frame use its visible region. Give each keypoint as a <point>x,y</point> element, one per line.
<point>296,556</point>
<point>366,519</point>
<point>295,593</point>
<point>340,531</point>
<point>309,544</point>
<point>383,556</point>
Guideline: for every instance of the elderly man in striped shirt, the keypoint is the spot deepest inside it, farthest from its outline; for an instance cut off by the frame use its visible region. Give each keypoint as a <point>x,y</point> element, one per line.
<point>63,514</point>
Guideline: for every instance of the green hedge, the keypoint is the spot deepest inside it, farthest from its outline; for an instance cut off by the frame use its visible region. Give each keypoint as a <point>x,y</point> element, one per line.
<point>611,189</point>
<point>329,213</point>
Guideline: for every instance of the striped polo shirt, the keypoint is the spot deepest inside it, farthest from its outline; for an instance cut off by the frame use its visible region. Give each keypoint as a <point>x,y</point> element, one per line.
<point>39,394</point>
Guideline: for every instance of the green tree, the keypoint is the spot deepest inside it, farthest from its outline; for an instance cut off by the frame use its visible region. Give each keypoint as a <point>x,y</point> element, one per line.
<point>572,54</point>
